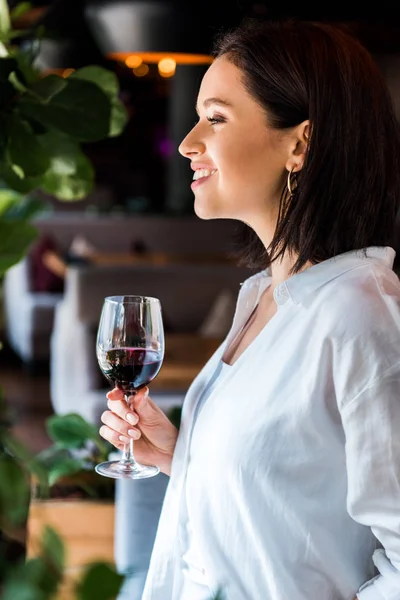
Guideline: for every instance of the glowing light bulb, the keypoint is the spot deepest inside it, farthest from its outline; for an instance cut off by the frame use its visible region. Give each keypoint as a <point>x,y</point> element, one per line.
<point>141,70</point>
<point>167,67</point>
<point>133,61</point>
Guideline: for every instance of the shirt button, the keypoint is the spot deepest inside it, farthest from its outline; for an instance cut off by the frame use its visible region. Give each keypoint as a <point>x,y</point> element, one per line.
<point>281,294</point>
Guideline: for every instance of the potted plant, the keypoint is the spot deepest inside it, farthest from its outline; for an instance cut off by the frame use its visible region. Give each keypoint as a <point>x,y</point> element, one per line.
<point>54,567</point>
<point>72,498</point>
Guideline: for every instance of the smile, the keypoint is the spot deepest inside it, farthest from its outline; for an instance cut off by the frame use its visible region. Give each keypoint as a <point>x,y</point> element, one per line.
<point>201,176</point>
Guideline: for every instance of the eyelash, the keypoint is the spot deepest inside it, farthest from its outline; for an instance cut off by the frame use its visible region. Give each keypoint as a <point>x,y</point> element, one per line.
<point>215,120</point>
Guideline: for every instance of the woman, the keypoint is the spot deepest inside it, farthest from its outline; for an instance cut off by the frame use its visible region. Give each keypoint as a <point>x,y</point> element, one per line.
<point>285,475</point>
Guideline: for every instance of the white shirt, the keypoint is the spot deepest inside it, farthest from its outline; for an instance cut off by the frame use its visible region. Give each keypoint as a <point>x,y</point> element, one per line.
<point>294,460</point>
<point>195,584</point>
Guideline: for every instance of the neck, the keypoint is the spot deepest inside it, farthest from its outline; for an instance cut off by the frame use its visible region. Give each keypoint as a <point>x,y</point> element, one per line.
<point>281,268</point>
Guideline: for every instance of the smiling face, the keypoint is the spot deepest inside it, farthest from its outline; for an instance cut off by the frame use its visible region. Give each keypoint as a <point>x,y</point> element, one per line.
<point>239,160</point>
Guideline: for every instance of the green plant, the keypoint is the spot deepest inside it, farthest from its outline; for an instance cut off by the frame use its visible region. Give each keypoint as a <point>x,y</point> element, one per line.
<point>40,577</point>
<point>43,123</point>
<point>68,465</point>
<point>44,120</point>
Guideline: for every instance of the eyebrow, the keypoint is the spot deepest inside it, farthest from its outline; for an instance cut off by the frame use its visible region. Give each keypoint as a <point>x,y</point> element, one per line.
<point>208,101</point>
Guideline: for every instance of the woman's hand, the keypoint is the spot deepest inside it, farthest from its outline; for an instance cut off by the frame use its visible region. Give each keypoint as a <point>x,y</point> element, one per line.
<point>154,434</point>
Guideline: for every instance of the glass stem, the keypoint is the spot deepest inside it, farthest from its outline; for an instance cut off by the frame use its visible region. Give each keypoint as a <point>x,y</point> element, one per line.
<point>128,458</point>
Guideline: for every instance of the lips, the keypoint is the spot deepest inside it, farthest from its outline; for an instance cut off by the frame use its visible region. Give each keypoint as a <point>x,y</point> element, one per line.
<point>195,166</point>
<point>202,180</point>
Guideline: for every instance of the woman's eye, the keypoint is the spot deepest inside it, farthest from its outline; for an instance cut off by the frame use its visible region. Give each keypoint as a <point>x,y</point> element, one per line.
<point>215,120</point>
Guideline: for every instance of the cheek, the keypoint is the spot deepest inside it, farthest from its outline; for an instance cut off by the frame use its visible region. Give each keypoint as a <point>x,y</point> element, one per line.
<point>247,178</point>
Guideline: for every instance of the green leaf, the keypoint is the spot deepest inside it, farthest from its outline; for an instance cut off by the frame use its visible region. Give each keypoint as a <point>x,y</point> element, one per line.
<point>14,496</point>
<point>108,82</point>
<point>20,9</point>
<point>8,198</point>
<point>25,457</point>
<point>25,60</point>
<point>103,78</point>
<point>119,118</point>
<point>70,431</point>
<point>47,87</point>
<point>25,208</point>
<point>69,466</point>
<point>100,582</point>
<point>38,578</point>
<point>52,548</point>
<point>70,175</point>
<point>35,579</point>
<point>52,455</point>
<point>15,182</point>
<point>11,35</point>
<point>81,110</point>
<point>16,83</point>
<point>18,588</point>
<point>25,150</point>
<point>15,238</point>
<point>5,21</point>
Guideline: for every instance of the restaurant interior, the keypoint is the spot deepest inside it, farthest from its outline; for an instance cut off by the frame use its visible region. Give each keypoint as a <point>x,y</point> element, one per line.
<point>124,223</point>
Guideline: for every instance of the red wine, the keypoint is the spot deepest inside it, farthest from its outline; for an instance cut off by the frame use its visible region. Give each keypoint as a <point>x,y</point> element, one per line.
<point>131,368</point>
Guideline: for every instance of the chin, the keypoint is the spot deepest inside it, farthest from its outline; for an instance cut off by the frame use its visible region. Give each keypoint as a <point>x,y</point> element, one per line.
<point>203,211</point>
<point>207,210</point>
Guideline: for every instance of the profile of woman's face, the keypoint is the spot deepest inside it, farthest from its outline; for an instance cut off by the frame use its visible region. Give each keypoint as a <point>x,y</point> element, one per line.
<point>239,159</point>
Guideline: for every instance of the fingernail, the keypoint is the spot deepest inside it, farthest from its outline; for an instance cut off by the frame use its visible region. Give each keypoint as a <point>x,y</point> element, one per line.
<point>132,418</point>
<point>124,439</point>
<point>133,433</point>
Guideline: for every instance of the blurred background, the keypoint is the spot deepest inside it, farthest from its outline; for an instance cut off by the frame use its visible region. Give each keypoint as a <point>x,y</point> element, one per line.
<point>134,231</point>
<point>139,213</point>
<point>140,171</point>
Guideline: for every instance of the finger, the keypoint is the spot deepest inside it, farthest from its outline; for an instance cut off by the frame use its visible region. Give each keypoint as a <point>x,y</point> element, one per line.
<point>144,406</point>
<point>120,408</point>
<point>140,395</point>
<point>119,425</point>
<point>115,394</point>
<point>113,437</point>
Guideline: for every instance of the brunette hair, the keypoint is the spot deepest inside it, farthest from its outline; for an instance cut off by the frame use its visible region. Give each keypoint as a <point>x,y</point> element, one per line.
<point>348,190</point>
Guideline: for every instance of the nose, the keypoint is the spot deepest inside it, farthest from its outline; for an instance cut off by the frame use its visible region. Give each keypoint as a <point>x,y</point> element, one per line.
<point>191,145</point>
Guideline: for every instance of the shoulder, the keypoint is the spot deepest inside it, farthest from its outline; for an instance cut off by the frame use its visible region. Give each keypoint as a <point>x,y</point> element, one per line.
<point>358,314</point>
<point>362,316</point>
<point>365,300</point>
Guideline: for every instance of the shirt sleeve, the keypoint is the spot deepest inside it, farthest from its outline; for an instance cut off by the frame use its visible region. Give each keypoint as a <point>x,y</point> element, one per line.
<point>371,424</point>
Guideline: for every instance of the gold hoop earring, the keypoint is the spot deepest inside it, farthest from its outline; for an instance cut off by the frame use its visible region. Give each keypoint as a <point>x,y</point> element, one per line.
<point>290,187</point>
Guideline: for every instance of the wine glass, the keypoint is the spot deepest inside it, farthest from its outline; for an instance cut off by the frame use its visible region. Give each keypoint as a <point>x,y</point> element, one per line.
<point>130,351</point>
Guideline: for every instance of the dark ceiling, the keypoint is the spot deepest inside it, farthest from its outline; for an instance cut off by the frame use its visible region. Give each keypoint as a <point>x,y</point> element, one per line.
<point>377,25</point>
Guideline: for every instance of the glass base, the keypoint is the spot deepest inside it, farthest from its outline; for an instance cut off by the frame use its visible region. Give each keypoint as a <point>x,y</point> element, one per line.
<point>118,470</point>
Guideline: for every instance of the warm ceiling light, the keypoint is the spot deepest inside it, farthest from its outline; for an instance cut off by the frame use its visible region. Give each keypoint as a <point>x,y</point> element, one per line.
<point>151,29</point>
<point>167,67</point>
<point>141,70</point>
<point>155,57</point>
<point>133,61</point>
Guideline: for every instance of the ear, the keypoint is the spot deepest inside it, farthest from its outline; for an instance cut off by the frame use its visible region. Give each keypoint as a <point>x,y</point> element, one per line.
<point>299,140</point>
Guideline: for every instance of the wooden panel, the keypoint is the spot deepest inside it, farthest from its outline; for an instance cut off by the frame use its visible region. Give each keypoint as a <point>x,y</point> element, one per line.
<point>86,527</point>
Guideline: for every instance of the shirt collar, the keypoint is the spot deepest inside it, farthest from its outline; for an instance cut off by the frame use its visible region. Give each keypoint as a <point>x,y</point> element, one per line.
<point>300,285</point>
